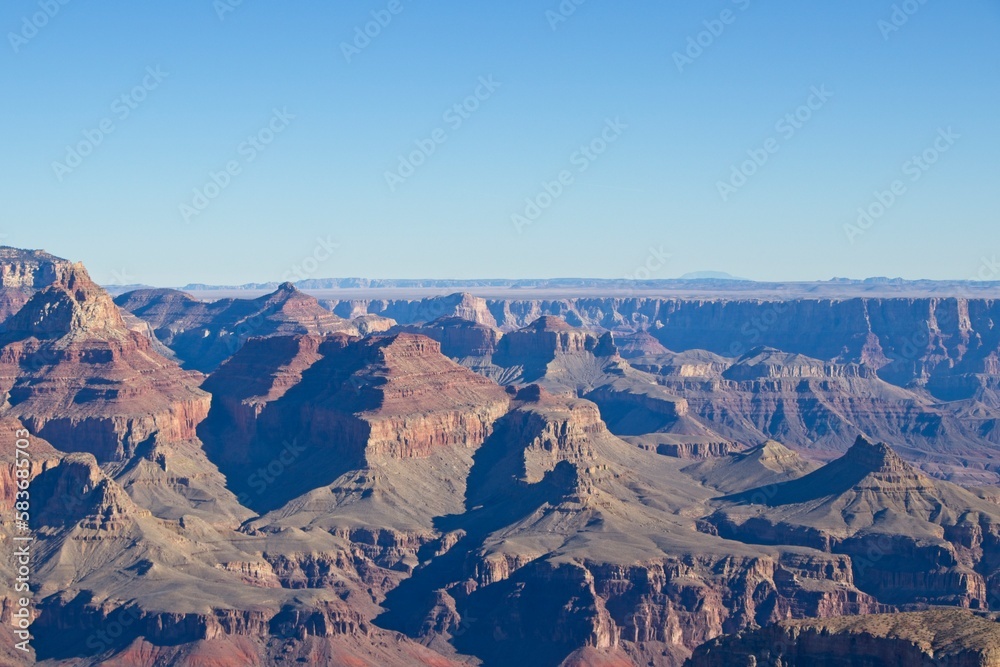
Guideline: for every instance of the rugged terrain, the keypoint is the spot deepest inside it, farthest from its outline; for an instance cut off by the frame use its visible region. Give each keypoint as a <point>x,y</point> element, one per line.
<point>204,334</point>
<point>456,481</point>
<point>945,638</point>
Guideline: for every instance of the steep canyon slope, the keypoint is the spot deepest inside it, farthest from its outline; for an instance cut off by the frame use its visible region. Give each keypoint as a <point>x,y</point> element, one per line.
<point>452,483</point>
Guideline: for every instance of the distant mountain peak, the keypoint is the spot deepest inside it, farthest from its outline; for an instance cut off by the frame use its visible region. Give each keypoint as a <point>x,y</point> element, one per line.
<point>875,457</point>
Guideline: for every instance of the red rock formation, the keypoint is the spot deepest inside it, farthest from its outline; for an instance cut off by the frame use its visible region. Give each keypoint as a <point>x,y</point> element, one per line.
<point>345,403</point>
<point>459,338</point>
<point>204,334</point>
<point>546,337</point>
<point>76,375</point>
<point>511,526</point>
<point>24,272</point>
<point>639,344</point>
<point>38,453</point>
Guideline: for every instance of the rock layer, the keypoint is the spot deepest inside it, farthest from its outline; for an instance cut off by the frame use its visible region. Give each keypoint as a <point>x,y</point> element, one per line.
<point>951,638</point>
<point>76,375</point>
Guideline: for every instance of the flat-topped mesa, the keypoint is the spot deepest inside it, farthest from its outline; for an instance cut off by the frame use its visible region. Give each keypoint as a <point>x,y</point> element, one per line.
<point>549,323</point>
<point>772,451</point>
<point>406,346</point>
<point>639,344</point>
<point>32,268</point>
<point>471,308</point>
<point>422,311</point>
<point>768,464</point>
<point>460,338</point>
<point>75,374</point>
<point>542,340</point>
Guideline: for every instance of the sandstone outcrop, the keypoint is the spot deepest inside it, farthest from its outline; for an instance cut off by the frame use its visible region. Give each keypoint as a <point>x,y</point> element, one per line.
<point>942,638</point>
<point>568,539</point>
<point>24,272</point>
<point>329,405</point>
<point>77,376</point>
<point>460,339</point>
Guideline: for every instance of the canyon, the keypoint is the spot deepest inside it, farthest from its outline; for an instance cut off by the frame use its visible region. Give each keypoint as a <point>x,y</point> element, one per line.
<point>460,480</point>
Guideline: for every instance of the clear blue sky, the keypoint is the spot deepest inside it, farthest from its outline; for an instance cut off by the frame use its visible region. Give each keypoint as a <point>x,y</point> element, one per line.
<point>656,185</point>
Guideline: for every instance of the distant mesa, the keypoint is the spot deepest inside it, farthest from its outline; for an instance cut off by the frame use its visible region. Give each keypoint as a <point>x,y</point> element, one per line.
<point>711,275</point>
<point>639,344</point>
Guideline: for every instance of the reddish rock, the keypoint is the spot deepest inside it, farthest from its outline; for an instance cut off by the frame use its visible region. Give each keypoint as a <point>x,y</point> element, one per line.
<point>343,403</point>
<point>204,334</point>
<point>24,272</point>
<point>76,375</point>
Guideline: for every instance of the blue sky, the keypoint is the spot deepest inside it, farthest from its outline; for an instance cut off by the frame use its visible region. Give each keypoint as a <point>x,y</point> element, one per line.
<point>314,132</point>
